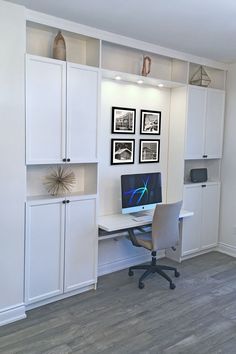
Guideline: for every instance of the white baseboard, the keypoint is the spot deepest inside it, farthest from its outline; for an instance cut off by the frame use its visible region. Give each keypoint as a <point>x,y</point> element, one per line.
<point>126,263</point>
<point>227,249</point>
<point>12,314</point>
<point>60,297</point>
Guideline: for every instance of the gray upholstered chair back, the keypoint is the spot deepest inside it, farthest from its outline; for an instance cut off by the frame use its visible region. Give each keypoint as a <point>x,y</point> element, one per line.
<point>165,226</point>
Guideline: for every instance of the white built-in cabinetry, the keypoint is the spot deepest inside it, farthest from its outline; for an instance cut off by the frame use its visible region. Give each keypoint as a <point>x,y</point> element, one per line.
<point>61,246</point>
<point>205,121</point>
<point>200,232</point>
<point>62,107</point>
<point>61,99</point>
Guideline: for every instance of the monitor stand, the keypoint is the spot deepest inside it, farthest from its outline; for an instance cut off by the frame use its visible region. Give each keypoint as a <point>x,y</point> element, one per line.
<point>140,214</point>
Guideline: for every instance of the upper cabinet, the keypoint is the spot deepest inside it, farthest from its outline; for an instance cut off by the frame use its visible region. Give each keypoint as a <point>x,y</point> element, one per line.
<point>205,120</point>
<point>82,110</point>
<point>61,111</point>
<point>45,110</point>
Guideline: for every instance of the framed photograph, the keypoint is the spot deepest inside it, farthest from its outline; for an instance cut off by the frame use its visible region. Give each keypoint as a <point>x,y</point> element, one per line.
<point>123,120</point>
<point>122,151</point>
<point>150,122</point>
<point>149,151</point>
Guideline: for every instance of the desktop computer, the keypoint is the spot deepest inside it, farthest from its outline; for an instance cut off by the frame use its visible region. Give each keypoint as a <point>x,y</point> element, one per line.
<point>140,192</point>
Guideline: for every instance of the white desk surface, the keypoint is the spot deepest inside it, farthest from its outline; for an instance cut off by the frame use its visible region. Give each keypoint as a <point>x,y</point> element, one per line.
<point>120,221</point>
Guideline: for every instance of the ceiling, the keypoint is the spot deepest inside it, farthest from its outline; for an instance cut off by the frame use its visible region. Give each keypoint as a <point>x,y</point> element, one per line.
<point>204,28</point>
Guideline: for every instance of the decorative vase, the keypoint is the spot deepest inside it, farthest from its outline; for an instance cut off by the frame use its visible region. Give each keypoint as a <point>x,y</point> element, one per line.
<point>146,66</point>
<point>59,47</point>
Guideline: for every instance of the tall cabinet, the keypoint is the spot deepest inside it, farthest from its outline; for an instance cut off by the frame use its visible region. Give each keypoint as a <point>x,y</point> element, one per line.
<point>203,149</point>
<point>61,130</point>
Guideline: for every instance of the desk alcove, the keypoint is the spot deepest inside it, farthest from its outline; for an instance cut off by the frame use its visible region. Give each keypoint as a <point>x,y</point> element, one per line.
<point>117,226</point>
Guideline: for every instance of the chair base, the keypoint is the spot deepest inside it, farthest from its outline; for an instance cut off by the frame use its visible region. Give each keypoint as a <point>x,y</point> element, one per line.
<point>154,268</point>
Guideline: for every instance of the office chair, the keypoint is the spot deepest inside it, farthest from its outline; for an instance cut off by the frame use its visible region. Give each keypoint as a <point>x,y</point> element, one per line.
<point>163,235</point>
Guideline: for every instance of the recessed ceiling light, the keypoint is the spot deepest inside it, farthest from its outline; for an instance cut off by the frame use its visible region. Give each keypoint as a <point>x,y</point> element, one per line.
<point>160,85</point>
<point>117,77</point>
<point>140,82</point>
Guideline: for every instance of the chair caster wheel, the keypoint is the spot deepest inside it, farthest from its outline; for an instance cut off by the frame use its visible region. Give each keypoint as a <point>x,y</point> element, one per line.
<point>131,273</point>
<point>172,286</point>
<point>177,274</point>
<point>141,285</point>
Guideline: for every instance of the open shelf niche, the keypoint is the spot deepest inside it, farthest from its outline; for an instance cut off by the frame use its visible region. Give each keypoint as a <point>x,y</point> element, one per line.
<point>86,180</point>
<point>217,76</point>
<point>123,59</point>
<point>212,165</point>
<point>79,49</point>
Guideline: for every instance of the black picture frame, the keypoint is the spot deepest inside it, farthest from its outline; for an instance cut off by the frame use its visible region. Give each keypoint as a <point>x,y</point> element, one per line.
<point>122,151</point>
<point>123,120</point>
<point>150,122</point>
<point>149,151</point>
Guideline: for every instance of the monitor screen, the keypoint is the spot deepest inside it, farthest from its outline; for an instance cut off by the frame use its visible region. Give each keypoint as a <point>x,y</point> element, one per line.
<point>140,191</point>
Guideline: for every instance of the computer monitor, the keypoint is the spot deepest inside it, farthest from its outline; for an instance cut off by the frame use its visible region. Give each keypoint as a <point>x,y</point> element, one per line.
<point>140,192</point>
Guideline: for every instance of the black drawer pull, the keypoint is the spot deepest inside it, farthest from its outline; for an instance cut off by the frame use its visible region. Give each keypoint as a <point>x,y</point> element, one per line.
<point>203,185</point>
<point>204,156</point>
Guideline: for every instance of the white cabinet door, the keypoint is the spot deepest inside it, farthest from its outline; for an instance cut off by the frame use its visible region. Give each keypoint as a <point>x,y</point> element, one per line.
<point>214,123</point>
<point>82,108</point>
<point>195,122</point>
<point>45,110</point>
<point>80,244</point>
<point>210,215</point>
<point>191,232</point>
<point>44,251</point>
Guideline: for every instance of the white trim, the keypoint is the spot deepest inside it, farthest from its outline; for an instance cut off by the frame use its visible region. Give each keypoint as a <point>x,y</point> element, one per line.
<point>10,315</point>
<point>126,263</point>
<point>227,249</point>
<point>60,297</point>
<point>198,253</point>
<point>57,22</point>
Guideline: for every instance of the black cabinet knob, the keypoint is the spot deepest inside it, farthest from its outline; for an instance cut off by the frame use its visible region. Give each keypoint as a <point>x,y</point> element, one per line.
<point>68,201</point>
<point>64,160</point>
<point>64,202</point>
<point>68,160</point>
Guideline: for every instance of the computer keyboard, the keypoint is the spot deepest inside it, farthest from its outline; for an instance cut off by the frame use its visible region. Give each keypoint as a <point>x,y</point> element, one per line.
<point>143,218</point>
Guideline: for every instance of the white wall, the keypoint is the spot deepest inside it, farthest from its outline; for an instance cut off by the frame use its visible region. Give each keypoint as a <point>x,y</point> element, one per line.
<point>132,96</point>
<point>228,174</point>
<point>12,176</point>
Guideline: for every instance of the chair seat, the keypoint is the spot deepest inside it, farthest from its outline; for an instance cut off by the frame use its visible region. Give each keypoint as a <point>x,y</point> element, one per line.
<point>145,240</point>
<point>146,244</point>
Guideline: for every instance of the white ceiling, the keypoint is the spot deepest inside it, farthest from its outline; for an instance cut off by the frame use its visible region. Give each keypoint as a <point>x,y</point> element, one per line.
<point>205,28</point>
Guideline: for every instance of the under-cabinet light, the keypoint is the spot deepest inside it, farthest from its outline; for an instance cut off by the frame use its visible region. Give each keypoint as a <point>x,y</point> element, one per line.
<point>117,78</point>
<point>160,85</point>
<point>140,82</point>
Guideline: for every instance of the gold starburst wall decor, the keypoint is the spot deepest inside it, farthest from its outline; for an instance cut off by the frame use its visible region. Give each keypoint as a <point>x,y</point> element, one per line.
<point>60,180</point>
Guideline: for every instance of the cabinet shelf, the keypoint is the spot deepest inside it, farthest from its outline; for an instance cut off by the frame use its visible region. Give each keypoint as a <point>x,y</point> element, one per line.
<point>133,78</point>
<point>50,198</point>
<point>129,60</point>
<point>217,76</point>
<point>207,183</point>
<point>85,174</point>
<point>80,49</point>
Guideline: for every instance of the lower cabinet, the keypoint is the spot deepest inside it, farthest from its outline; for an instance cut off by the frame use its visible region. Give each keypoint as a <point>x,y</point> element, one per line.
<point>200,231</point>
<point>61,247</point>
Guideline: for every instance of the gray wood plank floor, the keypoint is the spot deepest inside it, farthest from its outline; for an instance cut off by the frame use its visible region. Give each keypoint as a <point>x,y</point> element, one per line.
<point>199,316</point>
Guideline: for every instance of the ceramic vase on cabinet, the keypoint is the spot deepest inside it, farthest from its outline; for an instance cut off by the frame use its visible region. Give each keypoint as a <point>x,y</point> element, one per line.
<point>59,47</point>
